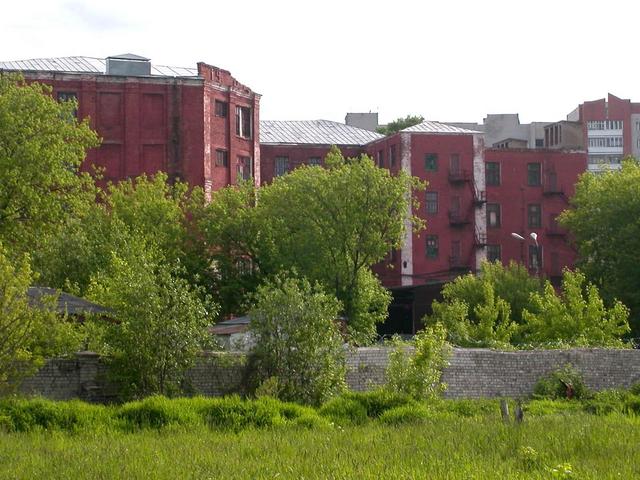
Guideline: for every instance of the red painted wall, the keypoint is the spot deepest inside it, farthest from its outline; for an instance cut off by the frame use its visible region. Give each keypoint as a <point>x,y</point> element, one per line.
<point>514,195</point>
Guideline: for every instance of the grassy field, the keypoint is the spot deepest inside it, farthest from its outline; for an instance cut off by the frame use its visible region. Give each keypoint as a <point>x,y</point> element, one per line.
<point>588,447</point>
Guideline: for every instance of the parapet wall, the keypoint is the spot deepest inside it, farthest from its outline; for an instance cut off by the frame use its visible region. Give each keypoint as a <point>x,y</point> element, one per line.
<point>472,373</point>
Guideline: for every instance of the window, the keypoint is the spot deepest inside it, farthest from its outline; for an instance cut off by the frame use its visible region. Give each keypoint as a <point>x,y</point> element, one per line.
<point>533,174</point>
<point>431,202</point>
<point>539,142</point>
<point>534,215</point>
<point>392,155</point>
<point>244,168</point>
<point>493,253</point>
<point>243,122</point>
<point>431,162</point>
<point>221,109</point>
<point>66,97</point>
<point>315,161</point>
<point>454,163</point>
<point>535,257</point>
<point>605,125</point>
<point>381,158</point>
<point>222,158</point>
<point>432,246</point>
<point>493,215</point>
<point>282,166</point>
<point>492,173</point>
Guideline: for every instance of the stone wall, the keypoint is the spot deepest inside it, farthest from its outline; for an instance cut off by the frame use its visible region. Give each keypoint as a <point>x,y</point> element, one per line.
<point>472,373</point>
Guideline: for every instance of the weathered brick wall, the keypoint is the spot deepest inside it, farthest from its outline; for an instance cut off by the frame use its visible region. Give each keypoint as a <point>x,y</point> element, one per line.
<point>472,373</point>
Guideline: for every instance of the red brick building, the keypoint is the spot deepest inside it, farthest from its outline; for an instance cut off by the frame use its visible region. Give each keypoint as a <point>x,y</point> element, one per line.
<point>285,145</point>
<point>197,124</point>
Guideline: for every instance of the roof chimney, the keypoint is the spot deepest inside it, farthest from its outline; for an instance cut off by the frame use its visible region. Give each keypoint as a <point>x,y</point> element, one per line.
<point>128,65</point>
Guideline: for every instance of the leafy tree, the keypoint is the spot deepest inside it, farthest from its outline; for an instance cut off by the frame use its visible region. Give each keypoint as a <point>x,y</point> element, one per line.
<point>485,309</point>
<point>146,207</point>
<point>400,124</point>
<point>346,218</point>
<point>297,345</point>
<point>602,219</point>
<point>41,148</point>
<point>27,334</point>
<point>162,319</point>
<point>231,231</point>
<point>419,374</point>
<point>577,316</point>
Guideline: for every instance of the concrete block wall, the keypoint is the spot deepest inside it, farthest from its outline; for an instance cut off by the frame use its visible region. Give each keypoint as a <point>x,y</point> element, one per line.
<point>472,373</point>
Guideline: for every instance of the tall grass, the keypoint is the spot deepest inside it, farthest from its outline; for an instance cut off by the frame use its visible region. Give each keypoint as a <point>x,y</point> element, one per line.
<point>590,447</point>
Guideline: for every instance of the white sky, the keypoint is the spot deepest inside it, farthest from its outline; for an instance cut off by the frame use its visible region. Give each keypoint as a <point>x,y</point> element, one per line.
<point>448,61</point>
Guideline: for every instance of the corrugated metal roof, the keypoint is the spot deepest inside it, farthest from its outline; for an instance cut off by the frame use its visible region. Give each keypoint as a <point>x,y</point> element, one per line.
<point>437,127</point>
<point>67,303</point>
<point>319,132</point>
<point>87,65</point>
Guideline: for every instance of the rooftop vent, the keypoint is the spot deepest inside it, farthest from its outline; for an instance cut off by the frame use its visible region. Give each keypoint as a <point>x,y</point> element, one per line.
<point>128,65</point>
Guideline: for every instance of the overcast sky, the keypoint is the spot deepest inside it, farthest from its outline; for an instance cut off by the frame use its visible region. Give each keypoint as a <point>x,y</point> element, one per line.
<point>447,60</point>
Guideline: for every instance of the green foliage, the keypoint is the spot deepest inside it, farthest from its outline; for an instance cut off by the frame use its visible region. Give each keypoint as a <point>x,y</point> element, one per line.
<point>27,334</point>
<point>408,414</point>
<point>296,340</point>
<point>376,402</point>
<point>162,320</point>
<point>347,217</point>
<point>344,411</point>
<point>418,374</point>
<point>41,148</point>
<point>145,209</point>
<point>565,382</point>
<point>400,124</point>
<point>485,310</point>
<point>545,406</point>
<point>577,316</point>
<point>602,221</point>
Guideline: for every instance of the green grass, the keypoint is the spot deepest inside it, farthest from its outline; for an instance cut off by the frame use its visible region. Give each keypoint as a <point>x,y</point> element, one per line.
<point>451,448</point>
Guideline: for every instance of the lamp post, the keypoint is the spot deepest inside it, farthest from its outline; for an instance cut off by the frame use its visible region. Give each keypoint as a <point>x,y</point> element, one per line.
<point>534,237</point>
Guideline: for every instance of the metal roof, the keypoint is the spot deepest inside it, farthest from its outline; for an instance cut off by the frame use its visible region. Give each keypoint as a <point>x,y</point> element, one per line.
<point>438,128</point>
<point>88,65</point>
<point>318,132</point>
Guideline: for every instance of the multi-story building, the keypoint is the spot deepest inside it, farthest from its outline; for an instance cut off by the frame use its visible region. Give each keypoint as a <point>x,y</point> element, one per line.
<point>285,145</point>
<point>611,129</point>
<point>197,124</point>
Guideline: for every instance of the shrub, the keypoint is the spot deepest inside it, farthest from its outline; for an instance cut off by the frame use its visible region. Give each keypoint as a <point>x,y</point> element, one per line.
<point>376,402</point>
<point>610,401</point>
<point>468,407</point>
<point>297,342</point>
<point>156,412</point>
<point>418,375</point>
<point>408,414</point>
<point>564,382</point>
<point>344,411</point>
<point>21,415</point>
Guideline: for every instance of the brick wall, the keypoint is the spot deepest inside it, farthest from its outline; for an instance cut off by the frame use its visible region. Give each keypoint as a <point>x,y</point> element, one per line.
<point>472,373</point>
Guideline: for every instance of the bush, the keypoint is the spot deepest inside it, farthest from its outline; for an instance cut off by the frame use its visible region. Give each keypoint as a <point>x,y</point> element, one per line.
<point>418,375</point>
<point>20,415</point>
<point>298,351</point>
<point>157,412</point>
<point>376,402</point>
<point>565,382</point>
<point>611,401</point>
<point>408,414</point>
<point>344,411</point>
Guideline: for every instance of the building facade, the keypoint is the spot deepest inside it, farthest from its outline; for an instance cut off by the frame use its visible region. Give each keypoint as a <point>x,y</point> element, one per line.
<point>197,124</point>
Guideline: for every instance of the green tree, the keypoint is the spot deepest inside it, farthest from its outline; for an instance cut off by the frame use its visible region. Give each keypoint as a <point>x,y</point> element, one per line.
<point>41,148</point>
<point>485,309</point>
<point>577,316</point>
<point>297,345</point>
<point>28,334</point>
<point>400,124</point>
<point>162,319</point>
<point>603,220</point>
<point>347,217</point>
<point>419,373</point>
<point>147,207</point>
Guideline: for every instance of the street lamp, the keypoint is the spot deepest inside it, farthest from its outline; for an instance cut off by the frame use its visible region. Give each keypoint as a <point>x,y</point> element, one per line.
<point>534,237</point>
